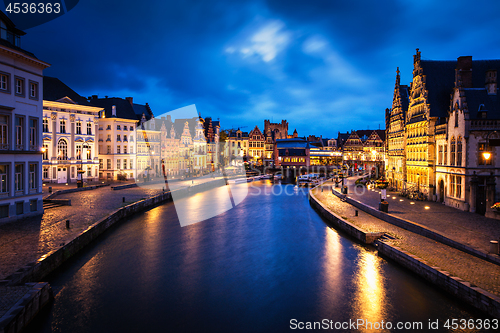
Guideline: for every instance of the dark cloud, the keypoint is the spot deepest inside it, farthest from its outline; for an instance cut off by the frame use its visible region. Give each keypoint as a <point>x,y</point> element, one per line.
<point>324,65</point>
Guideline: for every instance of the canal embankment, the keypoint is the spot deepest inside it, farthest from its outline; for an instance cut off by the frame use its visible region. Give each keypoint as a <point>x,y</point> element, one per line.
<point>18,308</point>
<point>441,265</point>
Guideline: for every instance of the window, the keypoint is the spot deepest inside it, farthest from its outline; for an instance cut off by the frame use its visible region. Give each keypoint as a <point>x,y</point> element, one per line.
<point>46,125</point>
<point>131,163</point>
<point>131,149</point>
<point>4,178</point>
<point>78,127</point>
<point>445,156</point>
<point>33,205</point>
<point>4,82</point>
<point>89,172</point>
<point>33,134</point>
<point>62,150</point>
<point>124,128</point>
<point>131,138</point>
<point>459,186</point>
<point>124,149</point>
<point>45,173</point>
<point>125,164</point>
<point>118,150</point>
<point>78,152</point>
<point>452,152</point>
<point>118,164</point>
<point>109,150</point>
<point>440,155</point>
<point>101,164</point>
<point>19,133</point>
<point>89,152</point>
<point>118,127</point>
<point>482,147</point>
<point>18,178</point>
<point>33,177</point>
<point>108,164</point>
<point>4,132</point>
<point>19,86</point>
<point>125,138</point>
<point>459,152</point>
<point>456,118</point>
<point>108,139</point>
<point>118,138</point>
<point>452,185</point>
<point>62,126</point>
<point>131,128</point>
<point>33,90</point>
<point>45,151</point>
<point>108,128</point>
<point>89,128</point>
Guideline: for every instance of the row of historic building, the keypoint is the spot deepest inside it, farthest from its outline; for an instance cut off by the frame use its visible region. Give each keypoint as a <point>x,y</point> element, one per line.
<point>443,130</point>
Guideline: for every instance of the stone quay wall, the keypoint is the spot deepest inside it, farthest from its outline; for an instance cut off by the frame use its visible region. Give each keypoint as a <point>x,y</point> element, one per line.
<point>339,223</point>
<point>459,288</point>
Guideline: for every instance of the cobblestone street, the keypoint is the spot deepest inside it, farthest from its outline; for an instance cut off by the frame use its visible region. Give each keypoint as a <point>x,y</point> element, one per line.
<point>467,228</point>
<point>469,268</point>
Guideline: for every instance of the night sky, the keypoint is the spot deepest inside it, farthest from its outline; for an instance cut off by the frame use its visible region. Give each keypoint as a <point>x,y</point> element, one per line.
<point>325,66</point>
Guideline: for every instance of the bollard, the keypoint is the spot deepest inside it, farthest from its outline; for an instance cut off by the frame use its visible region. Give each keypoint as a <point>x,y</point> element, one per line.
<point>50,189</point>
<point>67,224</point>
<point>356,212</point>
<point>494,247</point>
<point>123,198</point>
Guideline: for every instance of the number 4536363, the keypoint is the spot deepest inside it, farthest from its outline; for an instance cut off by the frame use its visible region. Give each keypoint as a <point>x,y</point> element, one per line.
<point>33,8</point>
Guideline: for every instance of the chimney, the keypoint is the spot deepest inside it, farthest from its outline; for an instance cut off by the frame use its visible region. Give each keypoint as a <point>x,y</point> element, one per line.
<point>169,118</point>
<point>113,111</point>
<point>92,97</point>
<point>491,81</point>
<point>464,67</point>
<point>130,100</point>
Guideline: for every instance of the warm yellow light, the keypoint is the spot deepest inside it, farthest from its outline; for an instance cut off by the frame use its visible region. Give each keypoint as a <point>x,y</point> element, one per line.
<point>43,150</point>
<point>427,207</point>
<point>486,155</point>
<point>400,199</point>
<point>374,152</point>
<point>412,203</point>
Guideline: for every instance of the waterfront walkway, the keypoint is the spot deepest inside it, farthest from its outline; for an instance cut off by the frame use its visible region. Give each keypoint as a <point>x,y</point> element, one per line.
<point>479,272</point>
<point>470,229</point>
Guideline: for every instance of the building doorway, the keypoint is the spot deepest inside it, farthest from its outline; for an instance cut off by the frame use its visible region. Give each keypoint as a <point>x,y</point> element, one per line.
<point>441,191</point>
<point>62,175</point>
<point>481,199</point>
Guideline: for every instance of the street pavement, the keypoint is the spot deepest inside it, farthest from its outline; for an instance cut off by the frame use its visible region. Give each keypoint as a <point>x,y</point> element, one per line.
<point>479,272</point>
<point>471,229</point>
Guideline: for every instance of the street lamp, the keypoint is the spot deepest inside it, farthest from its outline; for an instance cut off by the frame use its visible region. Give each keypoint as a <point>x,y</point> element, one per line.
<point>486,155</point>
<point>418,182</point>
<point>393,172</point>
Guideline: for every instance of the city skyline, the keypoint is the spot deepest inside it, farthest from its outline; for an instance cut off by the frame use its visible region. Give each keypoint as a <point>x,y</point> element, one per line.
<point>325,66</point>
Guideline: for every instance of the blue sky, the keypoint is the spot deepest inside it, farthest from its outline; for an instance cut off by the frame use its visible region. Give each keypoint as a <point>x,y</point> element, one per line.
<point>325,66</point>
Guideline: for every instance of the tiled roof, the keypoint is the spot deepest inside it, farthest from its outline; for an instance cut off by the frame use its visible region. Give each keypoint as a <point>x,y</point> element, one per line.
<point>123,108</point>
<point>54,89</point>
<point>440,80</point>
<point>480,99</point>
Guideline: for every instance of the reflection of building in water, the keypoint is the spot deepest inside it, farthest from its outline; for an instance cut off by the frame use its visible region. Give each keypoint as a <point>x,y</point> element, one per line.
<point>370,290</point>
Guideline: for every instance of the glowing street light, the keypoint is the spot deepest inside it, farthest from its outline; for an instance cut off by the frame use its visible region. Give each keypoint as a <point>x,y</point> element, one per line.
<point>486,155</point>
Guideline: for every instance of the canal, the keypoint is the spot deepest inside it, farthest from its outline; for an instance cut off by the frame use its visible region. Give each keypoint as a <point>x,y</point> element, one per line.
<point>253,268</point>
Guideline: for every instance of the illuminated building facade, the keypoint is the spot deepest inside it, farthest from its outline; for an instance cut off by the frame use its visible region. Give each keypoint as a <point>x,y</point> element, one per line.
<point>70,126</point>
<point>21,87</point>
<point>395,134</point>
<point>256,147</point>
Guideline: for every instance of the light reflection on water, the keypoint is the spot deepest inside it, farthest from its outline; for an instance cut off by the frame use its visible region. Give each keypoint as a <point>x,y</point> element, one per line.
<point>250,269</point>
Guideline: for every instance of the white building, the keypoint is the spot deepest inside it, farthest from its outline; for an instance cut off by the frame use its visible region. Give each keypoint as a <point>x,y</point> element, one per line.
<point>69,135</point>
<point>116,138</point>
<point>21,84</point>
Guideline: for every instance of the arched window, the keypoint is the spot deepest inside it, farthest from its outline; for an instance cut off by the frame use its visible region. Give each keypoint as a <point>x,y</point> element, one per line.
<point>452,151</point>
<point>459,151</point>
<point>62,150</point>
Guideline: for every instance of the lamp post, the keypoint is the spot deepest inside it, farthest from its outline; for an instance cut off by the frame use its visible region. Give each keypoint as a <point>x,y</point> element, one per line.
<point>393,172</point>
